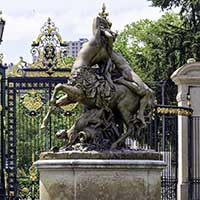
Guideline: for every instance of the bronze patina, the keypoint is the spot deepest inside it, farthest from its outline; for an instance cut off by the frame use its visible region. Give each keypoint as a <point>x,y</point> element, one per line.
<point>102,80</point>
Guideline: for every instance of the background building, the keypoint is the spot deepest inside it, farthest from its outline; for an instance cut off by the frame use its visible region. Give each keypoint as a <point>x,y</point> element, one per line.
<point>75,46</point>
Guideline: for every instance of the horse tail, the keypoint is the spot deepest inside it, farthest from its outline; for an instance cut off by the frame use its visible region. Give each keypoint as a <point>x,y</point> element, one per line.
<point>152,102</point>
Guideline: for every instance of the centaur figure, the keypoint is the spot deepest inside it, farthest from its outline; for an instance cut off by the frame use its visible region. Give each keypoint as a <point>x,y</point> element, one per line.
<point>102,78</point>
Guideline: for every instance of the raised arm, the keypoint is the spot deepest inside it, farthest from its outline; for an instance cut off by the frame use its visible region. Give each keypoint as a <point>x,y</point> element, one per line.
<point>96,29</point>
<point>123,67</point>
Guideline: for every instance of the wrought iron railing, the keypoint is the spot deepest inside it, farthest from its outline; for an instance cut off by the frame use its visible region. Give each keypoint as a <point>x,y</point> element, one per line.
<point>194,158</point>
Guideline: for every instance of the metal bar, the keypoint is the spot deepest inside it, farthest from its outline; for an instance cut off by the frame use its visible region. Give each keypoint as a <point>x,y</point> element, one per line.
<point>190,158</point>
<point>163,116</point>
<point>176,153</point>
<point>50,120</point>
<point>2,179</point>
<point>12,171</point>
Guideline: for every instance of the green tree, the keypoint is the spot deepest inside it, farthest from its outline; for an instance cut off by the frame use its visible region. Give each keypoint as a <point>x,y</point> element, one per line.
<point>189,9</point>
<point>153,48</point>
<point>68,60</point>
<point>147,47</point>
<point>189,33</point>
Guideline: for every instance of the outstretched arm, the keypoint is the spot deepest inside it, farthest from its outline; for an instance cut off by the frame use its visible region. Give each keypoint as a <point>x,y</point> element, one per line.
<point>101,28</point>
<point>122,65</point>
<point>96,29</point>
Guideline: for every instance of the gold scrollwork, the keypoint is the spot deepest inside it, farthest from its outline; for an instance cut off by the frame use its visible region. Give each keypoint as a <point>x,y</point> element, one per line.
<point>1,58</point>
<point>49,53</point>
<point>69,107</point>
<point>32,101</point>
<point>33,173</point>
<point>17,69</point>
<point>174,111</point>
<point>25,191</point>
<point>11,193</point>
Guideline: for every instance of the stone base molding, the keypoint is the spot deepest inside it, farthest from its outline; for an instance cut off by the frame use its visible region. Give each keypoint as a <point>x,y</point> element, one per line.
<point>100,179</point>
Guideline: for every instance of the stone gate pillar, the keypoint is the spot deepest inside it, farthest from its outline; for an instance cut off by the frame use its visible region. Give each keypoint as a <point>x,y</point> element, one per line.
<point>187,78</point>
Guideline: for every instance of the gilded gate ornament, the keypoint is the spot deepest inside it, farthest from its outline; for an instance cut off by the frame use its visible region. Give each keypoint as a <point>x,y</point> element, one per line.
<point>49,55</point>
<point>33,102</point>
<point>33,173</point>
<point>174,111</point>
<point>1,58</point>
<point>49,49</point>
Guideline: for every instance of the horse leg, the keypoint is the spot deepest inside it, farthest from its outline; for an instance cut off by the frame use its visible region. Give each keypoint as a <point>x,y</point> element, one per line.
<point>144,101</point>
<point>70,97</point>
<point>57,88</point>
<point>73,93</point>
<point>127,118</point>
<point>64,100</point>
<point>47,117</point>
<point>143,104</point>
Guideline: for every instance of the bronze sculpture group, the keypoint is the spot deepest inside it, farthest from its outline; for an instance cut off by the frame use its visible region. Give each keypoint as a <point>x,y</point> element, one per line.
<point>102,80</point>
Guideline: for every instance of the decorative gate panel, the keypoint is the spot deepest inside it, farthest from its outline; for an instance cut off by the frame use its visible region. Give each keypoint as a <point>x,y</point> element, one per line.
<point>29,89</point>
<point>27,105</point>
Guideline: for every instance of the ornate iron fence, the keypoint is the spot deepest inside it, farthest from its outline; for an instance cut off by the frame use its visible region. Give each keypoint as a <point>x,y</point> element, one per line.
<point>194,158</point>
<point>27,105</point>
<point>164,138</point>
<point>2,132</point>
<point>161,135</point>
<point>27,100</point>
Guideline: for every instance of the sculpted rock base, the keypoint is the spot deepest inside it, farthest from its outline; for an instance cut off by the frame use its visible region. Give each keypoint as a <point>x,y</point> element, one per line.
<point>99,179</point>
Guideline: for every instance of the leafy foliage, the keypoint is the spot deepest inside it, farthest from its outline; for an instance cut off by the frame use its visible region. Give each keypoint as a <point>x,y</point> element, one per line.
<point>147,47</point>
<point>69,60</point>
<point>155,49</point>
<point>189,33</point>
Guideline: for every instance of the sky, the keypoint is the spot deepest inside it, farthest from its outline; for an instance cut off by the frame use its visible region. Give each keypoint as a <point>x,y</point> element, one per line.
<point>24,19</point>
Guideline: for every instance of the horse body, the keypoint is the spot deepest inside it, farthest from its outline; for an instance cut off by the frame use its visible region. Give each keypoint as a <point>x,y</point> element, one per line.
<point>122,100</point>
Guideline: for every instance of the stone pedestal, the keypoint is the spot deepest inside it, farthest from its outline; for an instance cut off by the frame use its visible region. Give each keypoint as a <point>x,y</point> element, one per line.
<point>102,177</point>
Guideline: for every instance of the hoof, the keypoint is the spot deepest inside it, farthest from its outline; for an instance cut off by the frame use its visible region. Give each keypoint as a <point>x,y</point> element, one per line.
<point>54,149</point>
<point>52,102</point>
<point>61,134</point>
<point>141,120</point>
<point>43,127</point>
<point>114,146</point>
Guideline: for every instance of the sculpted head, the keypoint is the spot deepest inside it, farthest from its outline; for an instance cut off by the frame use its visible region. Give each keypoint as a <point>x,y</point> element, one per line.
<point>100,22</point>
